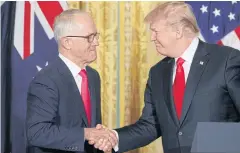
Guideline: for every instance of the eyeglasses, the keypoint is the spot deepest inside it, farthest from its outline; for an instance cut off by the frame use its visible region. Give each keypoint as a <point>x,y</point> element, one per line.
<point>90,37</point>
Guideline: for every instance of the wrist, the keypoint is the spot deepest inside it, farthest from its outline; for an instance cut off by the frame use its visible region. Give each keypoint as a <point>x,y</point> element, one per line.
<point>86,133</point>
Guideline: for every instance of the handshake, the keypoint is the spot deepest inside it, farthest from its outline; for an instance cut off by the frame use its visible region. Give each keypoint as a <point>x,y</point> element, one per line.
<point>101,137</point>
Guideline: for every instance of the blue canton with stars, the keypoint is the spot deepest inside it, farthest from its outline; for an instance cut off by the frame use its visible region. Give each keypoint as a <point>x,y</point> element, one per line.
<point>216,19</point>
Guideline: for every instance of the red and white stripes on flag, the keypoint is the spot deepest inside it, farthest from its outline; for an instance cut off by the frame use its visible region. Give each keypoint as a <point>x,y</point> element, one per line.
<point>232,39</point>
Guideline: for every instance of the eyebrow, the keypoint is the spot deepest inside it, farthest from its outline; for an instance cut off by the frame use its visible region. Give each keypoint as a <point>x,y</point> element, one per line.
<point>152,28</point>
<point>89,33</point>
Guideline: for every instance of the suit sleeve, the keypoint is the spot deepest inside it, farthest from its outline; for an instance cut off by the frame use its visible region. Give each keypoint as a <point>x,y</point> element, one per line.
<point>98,87</point>
<point>98,94</point>
<point>232,76</point>
<point>42,112</point>
<point>145,130</point>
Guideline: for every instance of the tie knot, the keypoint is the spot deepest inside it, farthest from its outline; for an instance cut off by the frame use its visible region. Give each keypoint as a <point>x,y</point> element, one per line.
<point>83,73</point>
<point>180,61</point>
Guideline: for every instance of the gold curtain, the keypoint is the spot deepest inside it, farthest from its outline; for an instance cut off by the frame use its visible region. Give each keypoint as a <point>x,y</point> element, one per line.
<point>125,56</point>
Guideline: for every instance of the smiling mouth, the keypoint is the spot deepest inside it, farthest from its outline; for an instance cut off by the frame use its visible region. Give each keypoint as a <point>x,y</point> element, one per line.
<point>158,45</point>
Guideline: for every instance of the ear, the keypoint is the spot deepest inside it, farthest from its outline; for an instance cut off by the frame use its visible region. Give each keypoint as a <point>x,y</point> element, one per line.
<point>66,43</point>
<point>179,32</point>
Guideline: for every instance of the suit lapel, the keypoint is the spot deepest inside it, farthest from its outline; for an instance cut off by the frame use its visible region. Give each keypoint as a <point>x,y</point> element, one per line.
<point>167,89</point>
<point>72,88</point>
<point>91,81</point>
<point>198,65</point>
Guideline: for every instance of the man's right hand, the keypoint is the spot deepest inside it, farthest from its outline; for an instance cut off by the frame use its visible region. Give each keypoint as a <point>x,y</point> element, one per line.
<point>101,137</point>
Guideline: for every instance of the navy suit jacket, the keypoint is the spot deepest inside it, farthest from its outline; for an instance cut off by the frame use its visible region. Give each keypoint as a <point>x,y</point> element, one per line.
<point>56,116</point>
<point>212,94</point>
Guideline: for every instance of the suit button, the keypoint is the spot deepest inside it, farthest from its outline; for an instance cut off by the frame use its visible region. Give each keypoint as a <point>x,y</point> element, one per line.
<point>180,133</point>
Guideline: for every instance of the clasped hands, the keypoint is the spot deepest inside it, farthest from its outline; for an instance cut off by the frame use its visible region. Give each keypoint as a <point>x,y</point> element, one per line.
<point>102,138</point>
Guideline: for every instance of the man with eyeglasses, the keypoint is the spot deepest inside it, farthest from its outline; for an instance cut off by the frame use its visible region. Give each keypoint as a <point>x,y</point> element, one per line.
<point>63,102</point>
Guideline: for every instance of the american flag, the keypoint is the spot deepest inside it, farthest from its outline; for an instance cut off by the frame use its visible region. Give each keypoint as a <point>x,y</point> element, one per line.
<point>219,22</point>
<point>33,48</point>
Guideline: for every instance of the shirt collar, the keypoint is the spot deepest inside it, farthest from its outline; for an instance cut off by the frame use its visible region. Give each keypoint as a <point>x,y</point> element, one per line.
<point>190,51</point>
<point>72,66</point>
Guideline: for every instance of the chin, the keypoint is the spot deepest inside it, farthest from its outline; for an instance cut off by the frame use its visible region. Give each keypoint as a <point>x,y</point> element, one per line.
<point>161,52</point>
<point>94,57</point>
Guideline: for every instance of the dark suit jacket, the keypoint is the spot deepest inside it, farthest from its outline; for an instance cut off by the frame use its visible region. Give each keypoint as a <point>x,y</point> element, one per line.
<point>212,94</point>
<point>55,112</point>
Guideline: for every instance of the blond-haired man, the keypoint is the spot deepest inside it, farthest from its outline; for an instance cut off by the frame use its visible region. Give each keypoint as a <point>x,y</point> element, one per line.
<point>196,82</point>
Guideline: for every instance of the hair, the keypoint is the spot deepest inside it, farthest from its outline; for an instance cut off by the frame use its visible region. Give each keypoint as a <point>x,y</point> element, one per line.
<point>178,14</point>
<point>64,23</point>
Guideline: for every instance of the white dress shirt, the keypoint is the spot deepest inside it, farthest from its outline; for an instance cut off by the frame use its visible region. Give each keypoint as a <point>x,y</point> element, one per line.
<point>188,57</point>
<point>74,70</point>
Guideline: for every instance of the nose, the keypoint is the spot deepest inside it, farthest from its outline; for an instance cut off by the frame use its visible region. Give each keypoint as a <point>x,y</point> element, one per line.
<point>95,42</point>
<point>153,36</point>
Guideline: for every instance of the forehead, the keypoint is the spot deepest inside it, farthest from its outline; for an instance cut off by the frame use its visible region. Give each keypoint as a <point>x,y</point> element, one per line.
<point>157,24</point>
<point>86,25</point>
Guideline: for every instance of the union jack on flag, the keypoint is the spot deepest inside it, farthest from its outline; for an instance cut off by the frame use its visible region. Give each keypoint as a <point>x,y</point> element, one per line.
<point>24,23</point>
<point>219,21</point>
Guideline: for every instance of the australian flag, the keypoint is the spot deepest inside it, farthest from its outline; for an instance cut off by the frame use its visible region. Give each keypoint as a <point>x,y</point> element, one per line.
<point>219,22</point>
<point>28,45</point>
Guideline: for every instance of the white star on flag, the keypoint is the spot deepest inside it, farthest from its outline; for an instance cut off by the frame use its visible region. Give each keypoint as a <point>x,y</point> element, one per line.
<point>216,12</point>
<point>231,16</point>
<point>39,68</point>
<point>204,8</point>
<point>214,28</point>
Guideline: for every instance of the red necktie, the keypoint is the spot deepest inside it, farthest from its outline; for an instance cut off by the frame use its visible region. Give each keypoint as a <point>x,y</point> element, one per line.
<point>179,87</point>
<point>85,94</point>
